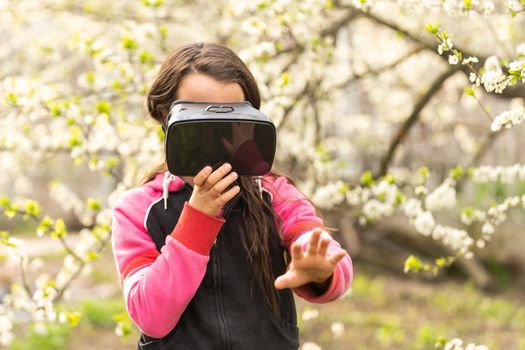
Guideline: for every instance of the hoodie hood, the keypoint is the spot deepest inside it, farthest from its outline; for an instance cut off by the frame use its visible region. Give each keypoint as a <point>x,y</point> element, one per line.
<point>165,182</point>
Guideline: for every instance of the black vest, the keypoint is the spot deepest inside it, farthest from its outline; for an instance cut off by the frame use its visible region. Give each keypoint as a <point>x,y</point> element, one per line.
<point>226,313</point>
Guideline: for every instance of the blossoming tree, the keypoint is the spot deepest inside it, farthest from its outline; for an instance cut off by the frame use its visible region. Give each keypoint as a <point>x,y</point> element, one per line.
<point>363,93</point>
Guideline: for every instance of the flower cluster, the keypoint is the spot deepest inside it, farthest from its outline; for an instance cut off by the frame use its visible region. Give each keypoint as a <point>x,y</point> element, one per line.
<point>43,297</point>
<point>329,195</point>
<point>508,119</point>
<point>457,344</point>
<point>443,197</point>
<point>424,223</point>
<point>506,175</point>
<point>6,327</point>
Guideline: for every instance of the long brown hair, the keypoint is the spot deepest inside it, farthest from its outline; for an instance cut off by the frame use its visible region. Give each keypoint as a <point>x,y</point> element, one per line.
<point>223,64</point>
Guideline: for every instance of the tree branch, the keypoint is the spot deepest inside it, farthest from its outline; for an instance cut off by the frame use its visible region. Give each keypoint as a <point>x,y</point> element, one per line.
<point>510,92</point>
<point>413,118</point>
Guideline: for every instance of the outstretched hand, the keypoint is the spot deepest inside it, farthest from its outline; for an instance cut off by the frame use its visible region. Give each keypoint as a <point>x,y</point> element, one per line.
<point>311,266</point>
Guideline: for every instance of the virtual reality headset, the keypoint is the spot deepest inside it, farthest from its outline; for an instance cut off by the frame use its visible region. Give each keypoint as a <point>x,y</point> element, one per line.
<point>198,134</point>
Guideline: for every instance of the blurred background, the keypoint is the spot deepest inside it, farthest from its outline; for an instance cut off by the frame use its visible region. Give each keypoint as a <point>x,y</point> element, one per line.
<point>381,107</point>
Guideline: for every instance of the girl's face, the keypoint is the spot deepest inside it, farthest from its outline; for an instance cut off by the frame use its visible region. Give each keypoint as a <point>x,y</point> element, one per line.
<point>200,87</point>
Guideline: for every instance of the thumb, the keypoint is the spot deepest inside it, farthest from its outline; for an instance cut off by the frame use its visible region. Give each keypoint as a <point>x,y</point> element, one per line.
<point>283,281</point>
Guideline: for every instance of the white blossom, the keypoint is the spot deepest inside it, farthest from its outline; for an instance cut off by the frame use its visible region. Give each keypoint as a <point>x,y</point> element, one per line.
<point>373,209</point>
<point>310,314</point>
<point>329,195</point>
<point>487,228</point>
<point>412,207</point>
<point>453,59</point>
<point>494,80</point>
<point>443,197</point>
<point>457,344</point>
<point>508,119</point>
<point>520,50</point>
<point>310,346</point>
<point>470,59</point>
<point>338,329</point>
<point>487,7</point>
<point>424,223</point>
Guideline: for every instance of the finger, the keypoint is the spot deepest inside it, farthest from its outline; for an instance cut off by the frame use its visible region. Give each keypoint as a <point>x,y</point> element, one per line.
<point>227,196</point>
<point>225,182</point>
<point>297,252</point>
<point>336,257</point>
<point>323,246</point>
<point>314,242</point>
<point>218,174</point>
<point>202,176</point>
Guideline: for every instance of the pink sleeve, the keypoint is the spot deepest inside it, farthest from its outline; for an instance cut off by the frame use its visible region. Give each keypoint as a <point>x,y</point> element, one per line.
<point>158,287</point>
<point>298,220</point>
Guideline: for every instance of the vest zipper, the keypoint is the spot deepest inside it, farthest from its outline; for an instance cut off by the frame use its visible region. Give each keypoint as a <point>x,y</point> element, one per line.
<point>221,319</point>
<point>217,285</point>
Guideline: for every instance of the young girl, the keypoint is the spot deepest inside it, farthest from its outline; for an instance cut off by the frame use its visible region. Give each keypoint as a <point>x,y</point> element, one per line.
<point>207,262</point>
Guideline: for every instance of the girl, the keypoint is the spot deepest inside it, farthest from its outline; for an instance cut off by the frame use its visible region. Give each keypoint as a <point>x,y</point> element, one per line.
<point>208,262</point>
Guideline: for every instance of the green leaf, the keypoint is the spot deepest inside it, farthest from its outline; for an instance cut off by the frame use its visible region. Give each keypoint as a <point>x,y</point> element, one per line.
<point>145,57</point>
<point>103,107</point>
<point>432,28</point>
<point>390,179</point>
<point>55,109</point>
<point>470,92</point>
<point>367,179</point>
<point>11,211</point>
<point>93,204</point>
<point>163,30</point>
<point>59,229</point>
<point>468,211</point>
<point>400,198</point>
<point>344,188</point>
<point>91,255</point>
<point>11,99</point>
<point>457,173</point>
<point>129,43</point>
<point>4,201</point>
<point>72,318</point>
<point>32,208</point>
<point>90,77</point>
<point>329,4</point>
<point>412,263</point>
<point>153,3</point>
<point>284,80</point>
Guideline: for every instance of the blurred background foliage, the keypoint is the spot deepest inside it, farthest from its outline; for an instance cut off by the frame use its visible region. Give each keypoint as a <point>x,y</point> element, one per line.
<point>371,111</point>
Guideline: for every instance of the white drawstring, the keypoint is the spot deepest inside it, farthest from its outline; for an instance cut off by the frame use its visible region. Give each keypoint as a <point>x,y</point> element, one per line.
<point>168,178</point>
<point>261,188</point>
<point>258,182</point>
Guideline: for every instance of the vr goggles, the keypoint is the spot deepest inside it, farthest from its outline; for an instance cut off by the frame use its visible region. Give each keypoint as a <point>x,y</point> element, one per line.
<point>198,134</point>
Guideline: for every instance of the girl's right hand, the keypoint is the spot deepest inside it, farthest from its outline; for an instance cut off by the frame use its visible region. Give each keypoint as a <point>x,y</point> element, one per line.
<point>208,188</point>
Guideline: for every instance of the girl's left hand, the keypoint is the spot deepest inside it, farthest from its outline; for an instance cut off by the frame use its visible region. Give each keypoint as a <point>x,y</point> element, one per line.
<point>312,266</point>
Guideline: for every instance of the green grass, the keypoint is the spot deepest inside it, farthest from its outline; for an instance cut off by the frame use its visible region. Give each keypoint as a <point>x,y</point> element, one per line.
<point>56,338</point>
<point>388,312</point>
<point>99,313</point>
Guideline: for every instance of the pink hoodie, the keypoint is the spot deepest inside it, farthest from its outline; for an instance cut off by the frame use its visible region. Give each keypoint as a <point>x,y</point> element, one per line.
<point>158,287</point>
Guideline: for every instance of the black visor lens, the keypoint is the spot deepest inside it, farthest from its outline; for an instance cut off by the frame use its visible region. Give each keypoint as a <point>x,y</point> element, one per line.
<point>248,146</point>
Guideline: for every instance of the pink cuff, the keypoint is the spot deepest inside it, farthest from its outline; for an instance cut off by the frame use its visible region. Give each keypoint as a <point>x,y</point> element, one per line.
<point>197,230</point>
<point>308,294</point>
